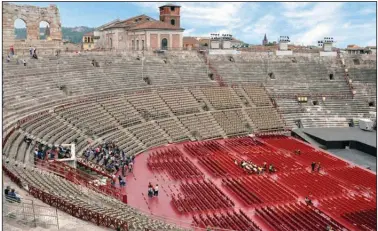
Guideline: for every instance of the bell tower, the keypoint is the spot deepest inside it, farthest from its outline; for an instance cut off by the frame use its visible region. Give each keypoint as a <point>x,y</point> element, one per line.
<point>170,14</point>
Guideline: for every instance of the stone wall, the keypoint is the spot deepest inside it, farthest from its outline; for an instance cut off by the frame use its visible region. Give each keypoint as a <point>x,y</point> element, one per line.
<point>32,16</point>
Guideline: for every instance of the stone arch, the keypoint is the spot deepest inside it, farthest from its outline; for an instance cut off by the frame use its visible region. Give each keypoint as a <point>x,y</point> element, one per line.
<point>42,30</point>
<point>26,29</point>
<point>31,15</point>
<point>173,22</point>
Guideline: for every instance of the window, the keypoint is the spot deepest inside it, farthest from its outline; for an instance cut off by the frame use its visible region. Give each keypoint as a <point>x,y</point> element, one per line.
<point>331,77</point>
<point>164,44</point>
<point>173,22</point>
<point>133,45</point>
<point>137,45</point>
<point>142,44</point>
<point>315,102</point>
<point>172,8</point>
<point>371,104</point>
<point>356,61</point>
<point>271,75</point>
<point>211,76</point>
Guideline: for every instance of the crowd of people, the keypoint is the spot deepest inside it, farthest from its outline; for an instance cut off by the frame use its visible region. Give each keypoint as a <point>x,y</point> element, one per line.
<point>110,157</point>
<point>254,168</point>
<point>43,151</point>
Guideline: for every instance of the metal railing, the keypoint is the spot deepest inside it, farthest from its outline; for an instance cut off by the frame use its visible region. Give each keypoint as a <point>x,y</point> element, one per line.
<point>29,213</point>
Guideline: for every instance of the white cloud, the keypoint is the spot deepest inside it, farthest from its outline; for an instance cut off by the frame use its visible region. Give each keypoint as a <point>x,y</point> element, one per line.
<point>320,13</point>
<point>190,32</point>
<point>372,42</point>
<point>264,24</point>
<point>304,22</point>
<point>223,14</point>
<point>367,11</point>
<point>294,5</point>
<point>311,36</point>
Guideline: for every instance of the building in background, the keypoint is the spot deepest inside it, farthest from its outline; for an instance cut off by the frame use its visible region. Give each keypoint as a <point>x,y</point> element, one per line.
<point>354,49</point>
<point>190,43</point>
<point>88,41</point>
<point>265,40</point>
<point>143,32</point>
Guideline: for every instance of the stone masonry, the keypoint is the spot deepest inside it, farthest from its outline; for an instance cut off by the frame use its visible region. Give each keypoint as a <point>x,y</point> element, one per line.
<point>32,16</point>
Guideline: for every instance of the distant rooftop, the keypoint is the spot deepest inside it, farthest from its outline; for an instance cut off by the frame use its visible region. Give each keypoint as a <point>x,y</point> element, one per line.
<point>169,5</point>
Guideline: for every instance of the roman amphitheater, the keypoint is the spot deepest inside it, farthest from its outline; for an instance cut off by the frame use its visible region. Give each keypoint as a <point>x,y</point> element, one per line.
<point>201,126</point>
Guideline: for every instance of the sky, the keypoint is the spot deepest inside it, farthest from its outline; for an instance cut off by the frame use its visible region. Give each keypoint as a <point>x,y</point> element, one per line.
<point>304,22</point>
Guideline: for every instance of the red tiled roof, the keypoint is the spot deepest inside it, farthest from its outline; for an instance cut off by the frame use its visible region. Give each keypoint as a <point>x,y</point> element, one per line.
<point>169,5</point>
<point>155,25</point>
<point>190,40</point>
<point>131,21</point>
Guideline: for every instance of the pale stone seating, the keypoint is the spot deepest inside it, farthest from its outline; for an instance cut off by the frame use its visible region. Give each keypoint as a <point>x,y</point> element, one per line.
<point>232,122</point>
<point>191,72</point>
<point>149,105</point>
<point>90,117</point>
<point>180,101</point>
<point>265,118</point>
<point>258,95</point>
<point>201,125</point>
<point>222,97</point>
<point>173,129</point>
<point>121,110</point>
<point>149,133</point>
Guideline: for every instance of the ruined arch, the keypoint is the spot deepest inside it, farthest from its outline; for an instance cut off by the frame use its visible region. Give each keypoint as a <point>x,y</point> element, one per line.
<point>32,16</point>
<point>19,28</point>
<point>44,30</point>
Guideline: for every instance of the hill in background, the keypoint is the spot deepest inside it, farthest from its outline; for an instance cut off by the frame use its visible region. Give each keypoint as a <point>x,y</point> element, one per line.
<point>73,34</point>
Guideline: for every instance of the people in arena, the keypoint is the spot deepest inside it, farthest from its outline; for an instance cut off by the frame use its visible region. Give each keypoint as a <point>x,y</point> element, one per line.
<point>13,196</point>
<point>265,166</point>
<point>7,190</point>
<point>318,167</point>
<point>271,168</point>
<point>313,165</point>
<point>131,164</point>
<point>122,182</point>
<point>150,190</point>
<point>308,201</point>
<point>156,190</point>
<point>254,168</point>
<point>329,228</point>
<point>12,50</point>
<point>110,158</point>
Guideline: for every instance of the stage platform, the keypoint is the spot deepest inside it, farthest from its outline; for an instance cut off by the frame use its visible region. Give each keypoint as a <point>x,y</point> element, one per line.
<point>344,134</point>
<point>200,185</point>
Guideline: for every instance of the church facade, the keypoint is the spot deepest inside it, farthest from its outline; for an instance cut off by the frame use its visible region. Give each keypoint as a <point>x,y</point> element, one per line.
<point>142,32</point>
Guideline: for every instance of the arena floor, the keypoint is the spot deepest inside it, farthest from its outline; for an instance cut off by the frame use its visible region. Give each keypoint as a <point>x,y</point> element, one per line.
<point>281,193</point>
